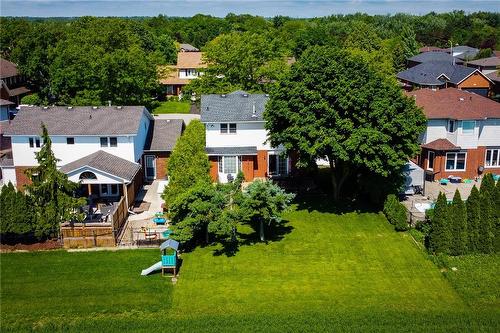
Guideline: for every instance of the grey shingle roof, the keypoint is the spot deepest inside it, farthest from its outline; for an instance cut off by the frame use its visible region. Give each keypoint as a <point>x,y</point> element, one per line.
<point>428,73</point>
<point>188,47</point>
<point>78,120</point>
<point>251,150</point>
<point>107,163</point>
<point>163,134</point>
<point>432,57</point>
<point>169,243</point>
<point>464,51</point>
<point>234,107</point>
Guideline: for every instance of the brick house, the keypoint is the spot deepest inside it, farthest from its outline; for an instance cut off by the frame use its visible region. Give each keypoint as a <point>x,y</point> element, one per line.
<point>12,83</point>
<point>236,138</point>
<point>462,138</point>
<point>102,148</point>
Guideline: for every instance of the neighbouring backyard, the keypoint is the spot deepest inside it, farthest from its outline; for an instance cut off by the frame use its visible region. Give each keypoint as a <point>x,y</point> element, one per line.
<point>172,107</point>
<point>322,272</point>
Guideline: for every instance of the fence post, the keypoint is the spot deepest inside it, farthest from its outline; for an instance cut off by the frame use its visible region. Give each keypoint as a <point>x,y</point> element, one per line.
<point>95,238</point>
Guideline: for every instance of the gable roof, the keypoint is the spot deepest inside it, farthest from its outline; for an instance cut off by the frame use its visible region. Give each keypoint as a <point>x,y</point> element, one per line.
<point>433,57</point>
<point>7,69</point>
<point>163,134</point>
<point>486,62</point>
<point>440,144</point>
<point>169,243</point>
<point>428,73</point>
<point>188,47</point>
<point>452,103</point>
<point>78,120</point>
<point>190,60</point>
<point>494,77</point>
<point>105,162</point>
<point>234,107</point>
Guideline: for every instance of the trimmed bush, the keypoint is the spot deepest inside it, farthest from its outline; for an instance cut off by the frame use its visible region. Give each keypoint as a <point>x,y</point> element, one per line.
<point>396,213</point>
<point>440,236</point>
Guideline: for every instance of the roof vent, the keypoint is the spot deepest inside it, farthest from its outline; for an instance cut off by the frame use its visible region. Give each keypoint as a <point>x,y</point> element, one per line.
<point>462,99</point>
<point>254,114</point>
<point>70,107</point>
<point>45,107</point>
<point>267,95</point>
<point>223,95</point>
<point>245,95</point>
<point>168,120</point>
<point>94,107</point>
<point>119,107</point>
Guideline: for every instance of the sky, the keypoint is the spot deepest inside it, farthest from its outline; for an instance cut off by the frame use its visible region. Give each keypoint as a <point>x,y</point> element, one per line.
<point>268,8</point>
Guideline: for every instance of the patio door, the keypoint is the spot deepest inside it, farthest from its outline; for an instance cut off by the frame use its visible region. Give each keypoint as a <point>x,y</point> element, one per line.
<point>150,167</point>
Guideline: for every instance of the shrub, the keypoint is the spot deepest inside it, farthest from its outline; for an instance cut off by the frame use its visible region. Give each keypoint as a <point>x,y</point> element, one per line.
<point>458,224</point>
<point>32,99</point>
<point>440,236</point>
<point>395,213</point>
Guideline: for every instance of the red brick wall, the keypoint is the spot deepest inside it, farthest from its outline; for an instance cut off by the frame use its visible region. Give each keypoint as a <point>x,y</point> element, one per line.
<point>161,164</point>
<point>475,159</point>
<point>21,177</point>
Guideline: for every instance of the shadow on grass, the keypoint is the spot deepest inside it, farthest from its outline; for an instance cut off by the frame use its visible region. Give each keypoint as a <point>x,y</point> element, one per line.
<point>325,203</point>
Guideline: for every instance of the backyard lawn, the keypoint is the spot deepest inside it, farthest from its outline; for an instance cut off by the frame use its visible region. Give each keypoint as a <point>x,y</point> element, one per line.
<point>172,107</point>
<point>348,272</point>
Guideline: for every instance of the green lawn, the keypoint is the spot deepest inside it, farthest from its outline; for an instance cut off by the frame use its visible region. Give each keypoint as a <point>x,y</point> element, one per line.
<point>172,107</point>
<point>347,272</point>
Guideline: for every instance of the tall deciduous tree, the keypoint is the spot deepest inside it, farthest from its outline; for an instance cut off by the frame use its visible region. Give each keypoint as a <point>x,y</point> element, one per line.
<point>458,223</point>
<point>474,219</point>
<point>333,105</point>
<point>51,193</point>
<point>188,165</point>
<point>440,236</point>
<point>265,202</point>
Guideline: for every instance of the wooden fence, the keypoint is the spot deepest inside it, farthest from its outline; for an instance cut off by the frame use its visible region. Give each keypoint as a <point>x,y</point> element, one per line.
<point>100,234</point>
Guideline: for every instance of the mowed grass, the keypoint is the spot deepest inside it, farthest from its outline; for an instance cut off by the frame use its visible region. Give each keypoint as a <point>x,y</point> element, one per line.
<point>329,272</point>
<point>172,107</point>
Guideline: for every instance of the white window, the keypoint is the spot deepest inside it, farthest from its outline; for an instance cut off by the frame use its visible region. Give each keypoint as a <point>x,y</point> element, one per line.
<point>455,161</point>
<point>468,126</point>
<point>109,190</point>
<point>108,142</point>
<point>229,164</point>
<point>430,160</point>
<point>492,158</point>
<point>452,125</point>
<point>228,128</point>
<point>278,165</point>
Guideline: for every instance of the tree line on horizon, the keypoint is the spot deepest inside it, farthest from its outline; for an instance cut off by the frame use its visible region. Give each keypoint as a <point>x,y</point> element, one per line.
<point>90,60</point>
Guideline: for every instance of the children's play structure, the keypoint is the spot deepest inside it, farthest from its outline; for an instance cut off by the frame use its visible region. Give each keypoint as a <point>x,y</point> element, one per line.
<point>168,258</point>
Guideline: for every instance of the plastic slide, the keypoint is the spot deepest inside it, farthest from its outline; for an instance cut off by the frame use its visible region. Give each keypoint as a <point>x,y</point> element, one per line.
<point>151,269</point>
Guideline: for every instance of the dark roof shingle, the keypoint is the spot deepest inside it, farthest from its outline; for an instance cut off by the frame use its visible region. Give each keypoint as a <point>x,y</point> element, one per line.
<point>429,73</point>
<point>7,69</point>
<point>105,162</point>
<point>163,134</point>
<point>236,106</point>
<point>250,150</point>
<point>78,120</point>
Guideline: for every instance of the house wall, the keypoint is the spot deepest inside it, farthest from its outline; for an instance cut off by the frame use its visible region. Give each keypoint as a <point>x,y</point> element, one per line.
<point>84,145</point>
<point>247,134</point>
<point>141,137</point>
<point>21,179</point>
<point>489,130</point>
<point>476,80</point>
<point>9,175</point>
<point>161,160</point>
<point>4,112</point>
<point>475,159</point>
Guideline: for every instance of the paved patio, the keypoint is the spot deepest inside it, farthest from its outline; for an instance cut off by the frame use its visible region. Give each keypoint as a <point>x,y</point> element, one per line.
<point>140,227</point>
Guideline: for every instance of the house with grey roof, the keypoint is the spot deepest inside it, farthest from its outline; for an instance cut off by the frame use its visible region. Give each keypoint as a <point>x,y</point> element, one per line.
<point>438,75</point>
<point>109,150</point>
<point>435,56</point>
<point>486,65</point>
<point>236,138</point>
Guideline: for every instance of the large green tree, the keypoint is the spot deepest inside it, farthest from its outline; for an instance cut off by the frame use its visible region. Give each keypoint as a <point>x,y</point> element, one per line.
<point>51,193</point>
<point>458,224</point>
<point>333,105</point>
<point>265,202</point>
<point>188,165</point>
<point>440,237</point>
<point>474,219</point>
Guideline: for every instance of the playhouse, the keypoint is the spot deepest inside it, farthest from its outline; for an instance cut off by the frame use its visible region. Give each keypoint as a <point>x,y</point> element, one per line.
<point>168,258</point>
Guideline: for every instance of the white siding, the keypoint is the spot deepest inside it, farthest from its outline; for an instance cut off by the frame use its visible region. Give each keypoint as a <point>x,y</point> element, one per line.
<point>23,155</point>
<point>436,129</point>
<point>489,132</point>
<point>140,139</point>
<point>9,175</point>
<point>247,134</point>
<point>102,178</point>
<point>467,140</point>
